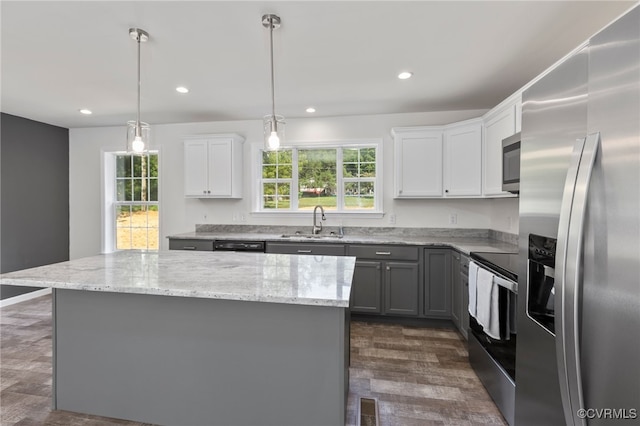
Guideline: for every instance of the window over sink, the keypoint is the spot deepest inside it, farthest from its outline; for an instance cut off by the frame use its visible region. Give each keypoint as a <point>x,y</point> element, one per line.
<point>343,178</point>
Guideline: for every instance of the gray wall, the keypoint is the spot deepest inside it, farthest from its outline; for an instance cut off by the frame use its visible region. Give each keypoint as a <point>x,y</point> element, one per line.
<point>34,181</point>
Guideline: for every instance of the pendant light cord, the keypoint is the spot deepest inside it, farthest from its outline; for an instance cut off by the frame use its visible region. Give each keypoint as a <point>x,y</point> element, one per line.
<point>138,132</point>
<point>273,93</point>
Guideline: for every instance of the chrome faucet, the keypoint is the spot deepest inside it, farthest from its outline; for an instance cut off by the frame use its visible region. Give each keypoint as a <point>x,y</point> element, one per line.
<point>317,226</point>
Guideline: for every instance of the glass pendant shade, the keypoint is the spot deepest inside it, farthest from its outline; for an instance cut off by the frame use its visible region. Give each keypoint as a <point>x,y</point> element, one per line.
<point>273,132</point>
<point>137,137</point>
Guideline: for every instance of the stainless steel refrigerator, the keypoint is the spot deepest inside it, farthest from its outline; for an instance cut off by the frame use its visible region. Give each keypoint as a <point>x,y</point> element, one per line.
<point>578,353</point>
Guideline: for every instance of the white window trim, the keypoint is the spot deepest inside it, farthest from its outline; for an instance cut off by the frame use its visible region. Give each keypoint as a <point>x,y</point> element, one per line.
<point>107,195</point>
<point>256,188</point>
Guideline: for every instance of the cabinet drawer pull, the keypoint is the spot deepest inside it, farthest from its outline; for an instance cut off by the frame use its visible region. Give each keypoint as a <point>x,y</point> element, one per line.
<point>304,251</point>
<point>383,253</point>
<point>189,248</point>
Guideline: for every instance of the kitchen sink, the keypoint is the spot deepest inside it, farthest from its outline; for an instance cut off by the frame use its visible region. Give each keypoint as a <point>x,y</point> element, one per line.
<point>330,236</point>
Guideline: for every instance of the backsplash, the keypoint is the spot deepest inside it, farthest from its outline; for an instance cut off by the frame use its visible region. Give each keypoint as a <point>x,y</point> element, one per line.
<point>503,236</point>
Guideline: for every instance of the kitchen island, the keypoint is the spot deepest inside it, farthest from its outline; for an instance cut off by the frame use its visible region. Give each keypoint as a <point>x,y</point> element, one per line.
<point>200,338</point>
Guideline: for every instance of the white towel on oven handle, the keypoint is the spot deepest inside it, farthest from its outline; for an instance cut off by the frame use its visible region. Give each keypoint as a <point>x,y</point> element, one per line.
<point>487,305</point>
<point>473,279</point>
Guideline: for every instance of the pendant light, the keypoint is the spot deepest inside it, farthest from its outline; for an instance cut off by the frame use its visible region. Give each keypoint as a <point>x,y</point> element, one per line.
<point>273,124</point>
<point>137,131</point>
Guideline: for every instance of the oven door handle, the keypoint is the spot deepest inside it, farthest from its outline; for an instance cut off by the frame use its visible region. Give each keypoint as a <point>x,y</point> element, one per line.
<point>568,267</point>
<point>509,285</point>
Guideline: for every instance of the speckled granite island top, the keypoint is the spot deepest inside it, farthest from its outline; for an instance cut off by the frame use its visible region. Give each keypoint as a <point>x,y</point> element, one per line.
<point>259,277</point>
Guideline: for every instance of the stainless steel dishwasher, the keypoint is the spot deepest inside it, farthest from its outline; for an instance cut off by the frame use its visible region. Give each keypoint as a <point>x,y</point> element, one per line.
<point>233,245</point>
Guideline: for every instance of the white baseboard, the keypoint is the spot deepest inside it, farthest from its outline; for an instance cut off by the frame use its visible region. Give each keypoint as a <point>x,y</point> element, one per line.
<point>23,297</point>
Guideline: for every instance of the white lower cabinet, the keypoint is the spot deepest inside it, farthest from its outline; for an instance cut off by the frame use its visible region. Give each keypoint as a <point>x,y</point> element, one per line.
<point>213,166</point>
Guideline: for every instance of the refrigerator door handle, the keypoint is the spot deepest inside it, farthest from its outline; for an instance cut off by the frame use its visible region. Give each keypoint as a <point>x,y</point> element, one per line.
<point>560,282</point>
<point>568,267</point>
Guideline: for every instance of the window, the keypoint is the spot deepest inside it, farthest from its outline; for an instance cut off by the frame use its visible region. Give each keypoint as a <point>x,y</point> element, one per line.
<point>341,179</point>
<point>135,202</point>
<point>359,173</point>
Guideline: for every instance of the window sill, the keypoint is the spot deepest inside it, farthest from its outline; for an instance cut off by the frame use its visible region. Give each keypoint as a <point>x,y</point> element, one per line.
<point>307,213</point>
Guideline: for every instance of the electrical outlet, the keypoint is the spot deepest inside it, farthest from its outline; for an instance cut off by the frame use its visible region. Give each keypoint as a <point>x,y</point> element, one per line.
<point>205,217</point>
<point>235,217</point>
<point>453,219</point>
<point>242,217</point>
<point>392,219</point>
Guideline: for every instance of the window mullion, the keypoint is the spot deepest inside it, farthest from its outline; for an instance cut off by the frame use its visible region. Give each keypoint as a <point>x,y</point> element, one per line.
<point>340,207</point>
<point>293,188</point>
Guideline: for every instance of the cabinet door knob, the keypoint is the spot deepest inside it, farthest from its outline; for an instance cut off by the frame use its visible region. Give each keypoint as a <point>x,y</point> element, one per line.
<point>208,192</point>
<point>204,192</point>
<point>446,190</point>
<point>388,268</point>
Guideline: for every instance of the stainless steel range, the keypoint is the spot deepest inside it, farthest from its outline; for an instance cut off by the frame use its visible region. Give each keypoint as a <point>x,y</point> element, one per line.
<point>493,293</point>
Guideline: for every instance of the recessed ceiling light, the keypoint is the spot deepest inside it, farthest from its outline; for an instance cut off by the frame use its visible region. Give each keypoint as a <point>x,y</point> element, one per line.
<point>405,75</point>
<point>182,89</point>
<point>310,109</point>
<point>85,111</point>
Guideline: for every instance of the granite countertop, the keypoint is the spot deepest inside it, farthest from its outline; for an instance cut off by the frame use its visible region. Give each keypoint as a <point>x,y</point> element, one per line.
<point>464,241</point>
<point>258,277</point>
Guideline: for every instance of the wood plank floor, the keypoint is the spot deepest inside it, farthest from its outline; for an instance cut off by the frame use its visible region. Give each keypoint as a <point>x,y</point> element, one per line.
<point>420,376</point>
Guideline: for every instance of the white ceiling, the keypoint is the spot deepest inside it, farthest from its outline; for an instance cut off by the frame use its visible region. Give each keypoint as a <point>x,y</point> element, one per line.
<point>341,57</point>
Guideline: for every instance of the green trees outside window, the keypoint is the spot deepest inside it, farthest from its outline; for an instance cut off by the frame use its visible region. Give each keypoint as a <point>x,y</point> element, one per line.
<point>136,204</point>
<point>336,178</point>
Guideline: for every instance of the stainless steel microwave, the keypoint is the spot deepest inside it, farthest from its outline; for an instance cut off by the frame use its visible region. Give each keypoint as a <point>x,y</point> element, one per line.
<point>511,164</point>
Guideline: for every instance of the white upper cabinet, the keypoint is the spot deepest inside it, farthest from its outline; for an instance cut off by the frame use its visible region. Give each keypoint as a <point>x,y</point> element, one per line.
<point>195,167</point>
<point>436,162</point>
<point>463,159</point>
<point>213,166</point>
<point>498,124</point>
<point>418,162</point>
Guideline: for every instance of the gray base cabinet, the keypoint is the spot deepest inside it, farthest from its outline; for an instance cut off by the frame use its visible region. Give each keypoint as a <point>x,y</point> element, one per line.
<point>195,245</point>
<point>386,281</point>
<point>401,291</point>
<point>464,284</point>
<point>456,290</point>
<point>437,283</point>
<point>460,291</point>
<point>366,287</point>
<point>308,249</point>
